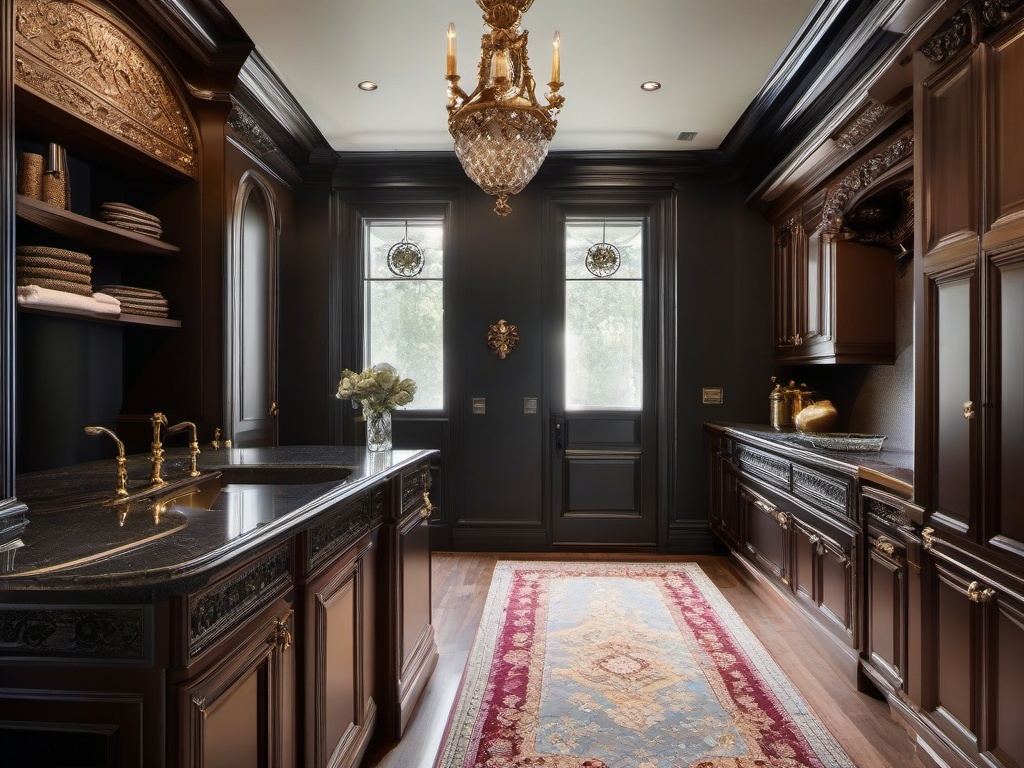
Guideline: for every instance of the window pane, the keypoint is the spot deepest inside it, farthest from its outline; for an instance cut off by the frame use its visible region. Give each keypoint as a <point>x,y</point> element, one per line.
<point>405,315</point>
<point>604,319</point>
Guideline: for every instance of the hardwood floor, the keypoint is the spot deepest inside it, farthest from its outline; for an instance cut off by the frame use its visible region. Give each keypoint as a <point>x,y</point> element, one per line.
<point>460,583</point>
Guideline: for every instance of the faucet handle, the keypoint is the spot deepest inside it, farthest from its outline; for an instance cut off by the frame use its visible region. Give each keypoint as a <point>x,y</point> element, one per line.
<point>193,444</point>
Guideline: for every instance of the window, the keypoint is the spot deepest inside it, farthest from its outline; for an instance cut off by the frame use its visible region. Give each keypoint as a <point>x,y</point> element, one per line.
<point>403,297</point>
<point>604,316</point>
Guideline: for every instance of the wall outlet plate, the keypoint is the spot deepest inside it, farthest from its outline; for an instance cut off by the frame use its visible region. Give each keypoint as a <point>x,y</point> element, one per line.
<point>712,395</point>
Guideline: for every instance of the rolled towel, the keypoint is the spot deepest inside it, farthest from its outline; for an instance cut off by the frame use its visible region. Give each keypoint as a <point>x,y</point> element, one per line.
<point>38,296</point>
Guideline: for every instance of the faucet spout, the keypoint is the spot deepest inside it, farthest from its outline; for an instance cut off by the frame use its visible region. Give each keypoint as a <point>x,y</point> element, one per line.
<point>193,445</point>
<point>122,469</point>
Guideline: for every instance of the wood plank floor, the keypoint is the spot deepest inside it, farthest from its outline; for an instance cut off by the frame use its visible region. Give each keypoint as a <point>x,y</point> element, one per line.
<point>460,583</point>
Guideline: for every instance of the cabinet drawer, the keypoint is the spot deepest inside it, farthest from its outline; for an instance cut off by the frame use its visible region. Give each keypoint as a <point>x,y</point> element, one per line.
<point>822,490</point>
<point>770,468</point>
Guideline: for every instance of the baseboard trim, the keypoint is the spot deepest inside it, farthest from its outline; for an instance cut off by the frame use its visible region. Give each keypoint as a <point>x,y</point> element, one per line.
<point>495,539</point>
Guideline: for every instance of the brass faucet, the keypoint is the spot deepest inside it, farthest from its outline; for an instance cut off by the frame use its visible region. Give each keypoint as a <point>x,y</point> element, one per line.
<point>157,453</point>
<point>193,445</point>
<point>122,469</point>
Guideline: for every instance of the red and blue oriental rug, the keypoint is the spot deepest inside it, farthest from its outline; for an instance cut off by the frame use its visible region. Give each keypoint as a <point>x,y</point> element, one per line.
<point>624,665</point>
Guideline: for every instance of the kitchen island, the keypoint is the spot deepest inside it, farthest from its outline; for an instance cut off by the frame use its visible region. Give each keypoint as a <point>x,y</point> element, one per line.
<point>274,609</point>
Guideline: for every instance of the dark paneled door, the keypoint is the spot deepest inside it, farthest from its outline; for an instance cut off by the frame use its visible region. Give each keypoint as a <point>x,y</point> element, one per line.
<point>252,313</point>
<point>601,364</point>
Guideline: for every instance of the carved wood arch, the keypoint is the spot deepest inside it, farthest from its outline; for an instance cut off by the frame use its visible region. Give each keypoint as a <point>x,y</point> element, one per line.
<point>83,59</point>
<point>873,174</point>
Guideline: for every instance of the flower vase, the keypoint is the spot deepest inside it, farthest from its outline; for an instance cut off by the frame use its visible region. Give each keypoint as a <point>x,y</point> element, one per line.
<point>378,430</point>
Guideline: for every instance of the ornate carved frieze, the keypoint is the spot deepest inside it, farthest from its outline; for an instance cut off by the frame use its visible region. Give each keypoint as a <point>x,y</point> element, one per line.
<point>839,195</point>
<point>71,632</point>
<point>818,488</point>
<point>897,226</point>
<point>888,512</point>
<point>252,134</point>
<point>967,27</point>
<point>339,531</point>
<point>76,56</point>
<point>855,131</point>
<point>776,470</point>
<point>230,602</point>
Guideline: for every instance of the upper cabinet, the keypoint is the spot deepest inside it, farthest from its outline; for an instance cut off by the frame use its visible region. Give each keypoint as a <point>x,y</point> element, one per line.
<point>835,260</point>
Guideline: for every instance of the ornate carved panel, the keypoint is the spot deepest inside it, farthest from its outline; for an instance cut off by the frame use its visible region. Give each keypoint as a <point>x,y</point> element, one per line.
<point>890,513</point>
<point>765,465</point>
<point>339,531</point>
<point>229,603</point>
<point>75,633</point>
<point>821,489</point>
<point>86,61</point>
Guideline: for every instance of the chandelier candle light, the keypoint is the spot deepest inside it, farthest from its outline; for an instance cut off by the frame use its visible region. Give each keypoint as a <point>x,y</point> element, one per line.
<point>501,131</point>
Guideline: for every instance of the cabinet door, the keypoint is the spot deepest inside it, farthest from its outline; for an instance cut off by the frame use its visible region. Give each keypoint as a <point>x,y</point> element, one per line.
<point>1005,160</point>
<point>339,718</point>
<point>1003,736</point>
<point>767,533</point>
<point>241,711</point>
<point>824,578</point>
<point>946,396</point>
<point>886,598</point>
<point>784,282</point>
<point>1004,524</point>
<point>948,155</point>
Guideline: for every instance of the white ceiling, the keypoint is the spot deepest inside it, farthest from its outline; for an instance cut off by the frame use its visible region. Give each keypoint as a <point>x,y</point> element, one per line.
<point>711,56</point>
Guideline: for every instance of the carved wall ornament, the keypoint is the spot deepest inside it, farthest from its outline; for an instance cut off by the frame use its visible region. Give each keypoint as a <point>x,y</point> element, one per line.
<point>839,195</point>
<point>80,58</point>
<point>251,133</point>
<point>502,338</point>
<point>967,27</point>
<point>855,131</point>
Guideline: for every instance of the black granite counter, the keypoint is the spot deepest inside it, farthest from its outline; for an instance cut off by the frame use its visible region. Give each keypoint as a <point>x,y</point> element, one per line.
<point>244,500</point>
<point>893,469</point>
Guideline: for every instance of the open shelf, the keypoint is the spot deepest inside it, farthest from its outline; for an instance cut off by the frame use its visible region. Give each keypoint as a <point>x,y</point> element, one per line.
<point>122,319</point>
<point>89,231</point>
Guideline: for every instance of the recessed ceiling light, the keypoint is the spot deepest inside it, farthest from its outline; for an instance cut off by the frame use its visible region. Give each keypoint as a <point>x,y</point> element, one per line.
<point>368,85</point>
<point>650,85</point>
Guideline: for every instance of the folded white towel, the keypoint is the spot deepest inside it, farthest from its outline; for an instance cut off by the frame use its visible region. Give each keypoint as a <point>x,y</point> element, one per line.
<point>36,296</point>
<point>106,298</point>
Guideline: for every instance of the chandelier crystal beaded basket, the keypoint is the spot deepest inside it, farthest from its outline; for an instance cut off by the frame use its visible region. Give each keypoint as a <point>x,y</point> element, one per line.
<point>501,131</point>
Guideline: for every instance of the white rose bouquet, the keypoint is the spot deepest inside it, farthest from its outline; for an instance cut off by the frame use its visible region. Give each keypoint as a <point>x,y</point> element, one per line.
<point>378,388</point>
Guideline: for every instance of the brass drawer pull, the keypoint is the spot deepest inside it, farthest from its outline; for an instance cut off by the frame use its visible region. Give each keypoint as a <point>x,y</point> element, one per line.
<point>282,636</point>
<point>884,546</point>
<point>428,507</point>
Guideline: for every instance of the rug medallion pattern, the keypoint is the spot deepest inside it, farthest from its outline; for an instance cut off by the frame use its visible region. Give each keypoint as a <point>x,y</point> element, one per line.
<point>624,665</point>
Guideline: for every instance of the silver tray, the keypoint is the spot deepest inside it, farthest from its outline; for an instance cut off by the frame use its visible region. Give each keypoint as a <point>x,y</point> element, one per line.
<point>843,441</point>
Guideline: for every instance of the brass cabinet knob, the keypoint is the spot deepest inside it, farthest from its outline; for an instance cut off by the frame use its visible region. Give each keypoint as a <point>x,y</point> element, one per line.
<point>273,408</point>
<point>977,595</point>
<point>969,409</point>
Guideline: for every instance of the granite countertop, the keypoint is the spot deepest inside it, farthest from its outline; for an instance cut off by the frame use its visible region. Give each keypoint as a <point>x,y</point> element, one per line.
<point>76,541</point>
<point>893,469</point>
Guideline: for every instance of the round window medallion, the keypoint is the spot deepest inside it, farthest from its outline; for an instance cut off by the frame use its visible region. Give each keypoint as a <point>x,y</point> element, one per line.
<point>603,260</point>
<point>405,259</point>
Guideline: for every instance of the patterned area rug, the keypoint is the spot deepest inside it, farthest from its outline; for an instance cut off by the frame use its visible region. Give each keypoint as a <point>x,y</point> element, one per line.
<point>624,665</point>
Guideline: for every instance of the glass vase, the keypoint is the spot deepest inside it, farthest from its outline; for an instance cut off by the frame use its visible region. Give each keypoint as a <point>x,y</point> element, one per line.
<point>378,430</point>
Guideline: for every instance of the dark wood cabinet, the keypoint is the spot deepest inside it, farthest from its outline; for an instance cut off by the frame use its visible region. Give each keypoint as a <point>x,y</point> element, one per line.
<point>410,650</point>
<point>241,709</point>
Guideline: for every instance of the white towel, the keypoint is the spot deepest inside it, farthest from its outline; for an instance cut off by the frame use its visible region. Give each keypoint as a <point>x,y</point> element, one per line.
<point>106,298</point>
<point>35,296</point>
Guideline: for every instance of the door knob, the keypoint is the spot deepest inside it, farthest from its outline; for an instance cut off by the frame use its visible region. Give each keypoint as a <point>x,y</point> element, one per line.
<point>969,409</point>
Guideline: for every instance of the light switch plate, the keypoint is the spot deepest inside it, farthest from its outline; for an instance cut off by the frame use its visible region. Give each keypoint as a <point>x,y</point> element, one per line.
<point>479,405</point>
<point>529,405</point>
<point>712,395</point>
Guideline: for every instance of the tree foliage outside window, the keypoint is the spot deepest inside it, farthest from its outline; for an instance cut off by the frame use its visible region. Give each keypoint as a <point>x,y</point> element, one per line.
<point>604,318</point>
<point>404,316</point>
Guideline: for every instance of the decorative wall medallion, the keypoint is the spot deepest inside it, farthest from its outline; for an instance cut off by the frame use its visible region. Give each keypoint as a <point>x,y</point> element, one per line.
<point>71,632</point>
<point>502,338</point>
<point>861,125</point>
<point>839,195</point>
<point>76,56</point>
<point>225,605</point>
<point>603,260</point>
<point>405,259</point>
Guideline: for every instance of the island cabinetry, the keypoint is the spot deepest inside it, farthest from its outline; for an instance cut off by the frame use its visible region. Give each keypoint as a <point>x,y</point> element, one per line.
<point>339,635</point>
<point>235,688</point>
<point>410,648</point>
<point>793,525</point>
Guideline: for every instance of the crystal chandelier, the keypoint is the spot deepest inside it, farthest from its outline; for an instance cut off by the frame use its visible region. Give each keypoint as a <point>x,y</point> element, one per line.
<point>501,131</point>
